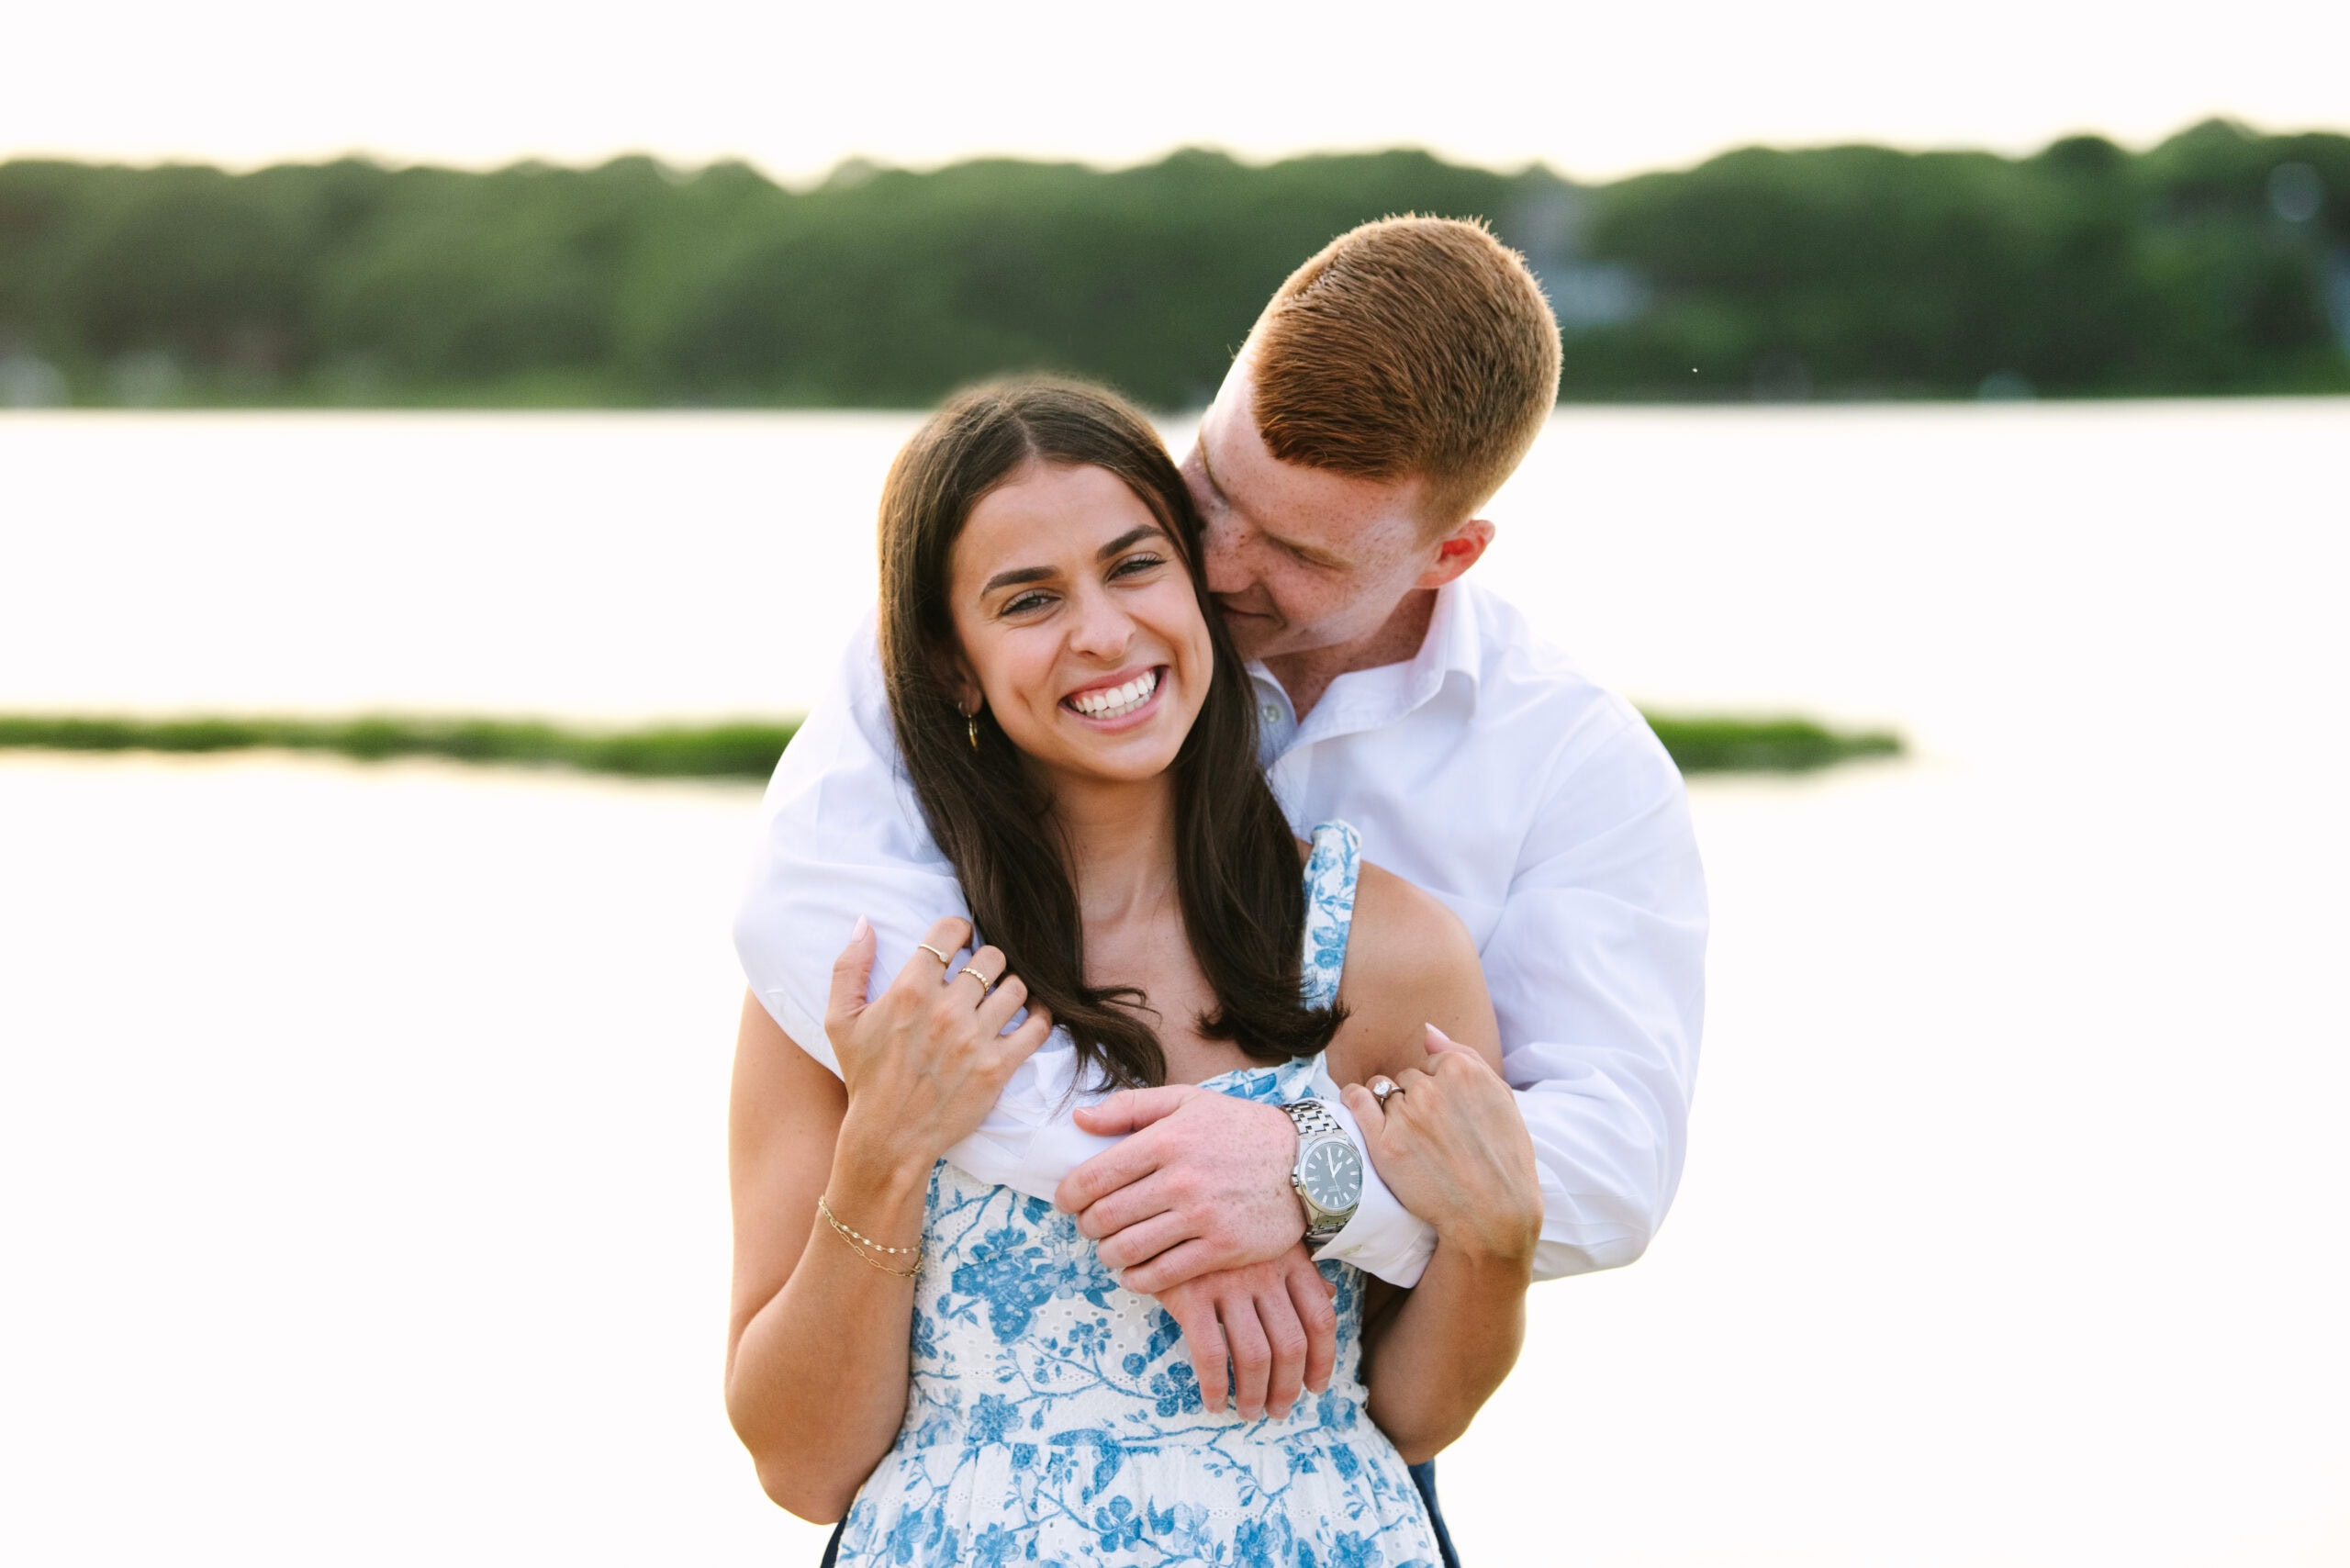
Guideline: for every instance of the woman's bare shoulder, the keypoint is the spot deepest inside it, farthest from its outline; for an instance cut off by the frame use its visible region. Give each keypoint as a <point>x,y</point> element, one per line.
<point>1410,961</point>
<point>1404,933</point>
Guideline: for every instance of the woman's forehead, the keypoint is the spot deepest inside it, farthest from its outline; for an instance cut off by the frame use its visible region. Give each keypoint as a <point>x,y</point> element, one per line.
<point>1049,515</point>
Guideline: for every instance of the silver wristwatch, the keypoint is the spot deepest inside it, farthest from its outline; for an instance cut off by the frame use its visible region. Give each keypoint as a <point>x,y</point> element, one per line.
<point>1328,1172</point>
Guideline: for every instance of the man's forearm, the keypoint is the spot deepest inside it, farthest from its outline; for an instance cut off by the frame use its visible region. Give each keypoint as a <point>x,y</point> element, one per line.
<point>1608,1164</point>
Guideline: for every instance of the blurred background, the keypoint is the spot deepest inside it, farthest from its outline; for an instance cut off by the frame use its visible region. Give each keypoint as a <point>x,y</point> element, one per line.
<point>438,451</point>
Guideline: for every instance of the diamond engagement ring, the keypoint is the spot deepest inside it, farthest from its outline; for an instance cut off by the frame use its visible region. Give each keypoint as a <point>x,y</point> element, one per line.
<point>1383,1087</point>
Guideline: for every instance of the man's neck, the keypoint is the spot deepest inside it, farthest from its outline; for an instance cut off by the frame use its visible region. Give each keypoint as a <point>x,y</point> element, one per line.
<point>1307,676</point>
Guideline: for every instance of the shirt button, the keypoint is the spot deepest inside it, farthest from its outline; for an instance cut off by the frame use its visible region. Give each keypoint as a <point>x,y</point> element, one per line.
<point>1272,714</point>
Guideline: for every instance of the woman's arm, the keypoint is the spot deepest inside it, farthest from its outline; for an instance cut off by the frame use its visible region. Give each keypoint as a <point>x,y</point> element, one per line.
<point>1452,1148</point>
<point>816,1363</point>
<point>1450,1339</point>
<point>817,1337</point>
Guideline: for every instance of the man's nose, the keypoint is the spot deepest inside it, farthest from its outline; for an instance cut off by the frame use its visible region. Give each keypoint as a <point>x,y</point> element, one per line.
<point>1220,553</point>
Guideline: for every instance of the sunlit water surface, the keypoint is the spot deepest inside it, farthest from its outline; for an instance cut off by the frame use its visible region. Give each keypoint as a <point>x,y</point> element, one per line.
<point>363,1127</point>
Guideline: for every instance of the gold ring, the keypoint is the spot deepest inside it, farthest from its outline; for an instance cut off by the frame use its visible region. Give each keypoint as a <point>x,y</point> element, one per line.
<point>933,952</point>
<point>986,985</point>
<point>1382,1088</point>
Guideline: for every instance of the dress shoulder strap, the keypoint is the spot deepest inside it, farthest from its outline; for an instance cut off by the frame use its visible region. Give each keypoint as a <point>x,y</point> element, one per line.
<point>1331,870</point>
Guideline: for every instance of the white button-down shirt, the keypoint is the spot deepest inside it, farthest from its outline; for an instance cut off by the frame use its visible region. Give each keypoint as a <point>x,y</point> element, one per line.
<point>1540,807</point>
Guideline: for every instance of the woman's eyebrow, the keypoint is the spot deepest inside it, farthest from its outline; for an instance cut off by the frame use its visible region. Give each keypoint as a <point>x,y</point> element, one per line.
<point>1015,577</point>
<point>1129,539</point>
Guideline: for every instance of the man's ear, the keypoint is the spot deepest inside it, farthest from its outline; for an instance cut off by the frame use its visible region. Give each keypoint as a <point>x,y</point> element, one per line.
<point>1457,552</point>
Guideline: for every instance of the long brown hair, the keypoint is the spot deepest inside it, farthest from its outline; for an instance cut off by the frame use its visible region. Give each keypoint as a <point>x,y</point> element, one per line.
<point>1237,866</point>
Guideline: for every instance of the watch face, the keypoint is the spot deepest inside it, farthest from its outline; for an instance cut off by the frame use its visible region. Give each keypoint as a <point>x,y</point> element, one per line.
<point>1331,1174</point>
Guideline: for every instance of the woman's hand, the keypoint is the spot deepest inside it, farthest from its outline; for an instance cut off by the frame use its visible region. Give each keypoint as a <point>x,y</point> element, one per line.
<point>1454,1149</point>
<point>922,1061</point>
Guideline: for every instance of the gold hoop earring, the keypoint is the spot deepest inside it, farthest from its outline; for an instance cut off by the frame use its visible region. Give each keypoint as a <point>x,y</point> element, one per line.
<point>971,727</point>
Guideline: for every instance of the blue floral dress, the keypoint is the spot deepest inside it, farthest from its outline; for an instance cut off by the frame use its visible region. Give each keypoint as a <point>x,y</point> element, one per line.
<point>1053,1416</point>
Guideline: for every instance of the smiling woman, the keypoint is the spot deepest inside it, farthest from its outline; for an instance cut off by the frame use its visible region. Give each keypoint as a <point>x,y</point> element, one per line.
<point>1042,589</point>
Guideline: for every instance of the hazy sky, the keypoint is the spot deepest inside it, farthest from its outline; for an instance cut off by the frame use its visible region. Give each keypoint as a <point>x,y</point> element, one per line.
<point>1594,90</point>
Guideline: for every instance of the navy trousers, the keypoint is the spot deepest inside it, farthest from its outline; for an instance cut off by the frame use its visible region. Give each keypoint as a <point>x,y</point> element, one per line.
<point>1422,1477</point>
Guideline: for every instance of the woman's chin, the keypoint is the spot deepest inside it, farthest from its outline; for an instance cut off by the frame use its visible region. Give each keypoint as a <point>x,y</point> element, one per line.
<point>1131,761</point>
<point>1120,753</point>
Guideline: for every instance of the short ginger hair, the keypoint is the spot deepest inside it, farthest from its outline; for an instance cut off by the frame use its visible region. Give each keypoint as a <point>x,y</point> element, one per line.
<point>1411,346</point>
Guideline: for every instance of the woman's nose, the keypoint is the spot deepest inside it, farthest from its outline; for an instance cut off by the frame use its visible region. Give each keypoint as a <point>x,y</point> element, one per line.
<point>1101,629</point>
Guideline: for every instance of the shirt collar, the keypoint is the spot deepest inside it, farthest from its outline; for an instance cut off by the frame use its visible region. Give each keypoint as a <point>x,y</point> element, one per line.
<point>1373,698</point>
<point>1451,646</point>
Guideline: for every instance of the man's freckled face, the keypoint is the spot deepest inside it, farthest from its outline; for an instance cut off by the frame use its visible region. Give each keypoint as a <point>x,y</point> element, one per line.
<point>1298,559</point>
<point>1078,623</point>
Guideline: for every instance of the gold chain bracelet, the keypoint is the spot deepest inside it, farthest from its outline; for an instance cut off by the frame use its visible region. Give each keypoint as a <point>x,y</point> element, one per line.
<point>858,1241</point>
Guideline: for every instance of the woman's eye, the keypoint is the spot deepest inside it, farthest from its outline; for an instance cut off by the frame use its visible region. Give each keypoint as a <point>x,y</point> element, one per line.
<point>1133,564</point>
<point>1025,602</point>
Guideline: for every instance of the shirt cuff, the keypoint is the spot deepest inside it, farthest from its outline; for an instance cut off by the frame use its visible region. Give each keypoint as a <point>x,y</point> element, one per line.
<point>1384,1238</point>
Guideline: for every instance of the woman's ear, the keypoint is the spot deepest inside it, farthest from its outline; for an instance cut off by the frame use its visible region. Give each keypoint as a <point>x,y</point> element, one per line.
<point>962,683</point>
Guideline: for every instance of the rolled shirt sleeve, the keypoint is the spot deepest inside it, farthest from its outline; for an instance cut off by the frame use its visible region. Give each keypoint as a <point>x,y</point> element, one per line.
<point>1596,967</point>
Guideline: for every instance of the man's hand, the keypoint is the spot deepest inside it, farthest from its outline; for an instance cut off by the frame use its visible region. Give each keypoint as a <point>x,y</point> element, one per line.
<point>1202,1184</point>
<point>1453,1148</point>
<point>1275,1322</point>
<point>1195,1207</point>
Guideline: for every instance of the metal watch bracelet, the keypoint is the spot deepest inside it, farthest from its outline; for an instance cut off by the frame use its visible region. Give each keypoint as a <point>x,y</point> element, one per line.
<point>1314,1121</point>
<point>1312,1118</point>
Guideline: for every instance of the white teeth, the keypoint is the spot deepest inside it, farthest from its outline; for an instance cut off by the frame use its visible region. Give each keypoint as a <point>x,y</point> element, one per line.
<point>1117,700</point>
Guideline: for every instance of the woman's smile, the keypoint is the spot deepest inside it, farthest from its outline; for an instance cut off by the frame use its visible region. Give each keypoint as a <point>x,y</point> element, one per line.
<point>1121,701</point>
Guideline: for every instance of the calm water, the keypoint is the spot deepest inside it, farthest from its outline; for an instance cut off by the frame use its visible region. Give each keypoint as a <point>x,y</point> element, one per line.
<point>364,1126</point>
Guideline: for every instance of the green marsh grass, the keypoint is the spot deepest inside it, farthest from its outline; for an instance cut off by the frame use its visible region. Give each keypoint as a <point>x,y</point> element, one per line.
<point>669,751</point>
<point>1764,746</point>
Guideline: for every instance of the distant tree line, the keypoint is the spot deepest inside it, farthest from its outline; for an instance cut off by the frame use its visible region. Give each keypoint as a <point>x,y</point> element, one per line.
<point>2218,262</point>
